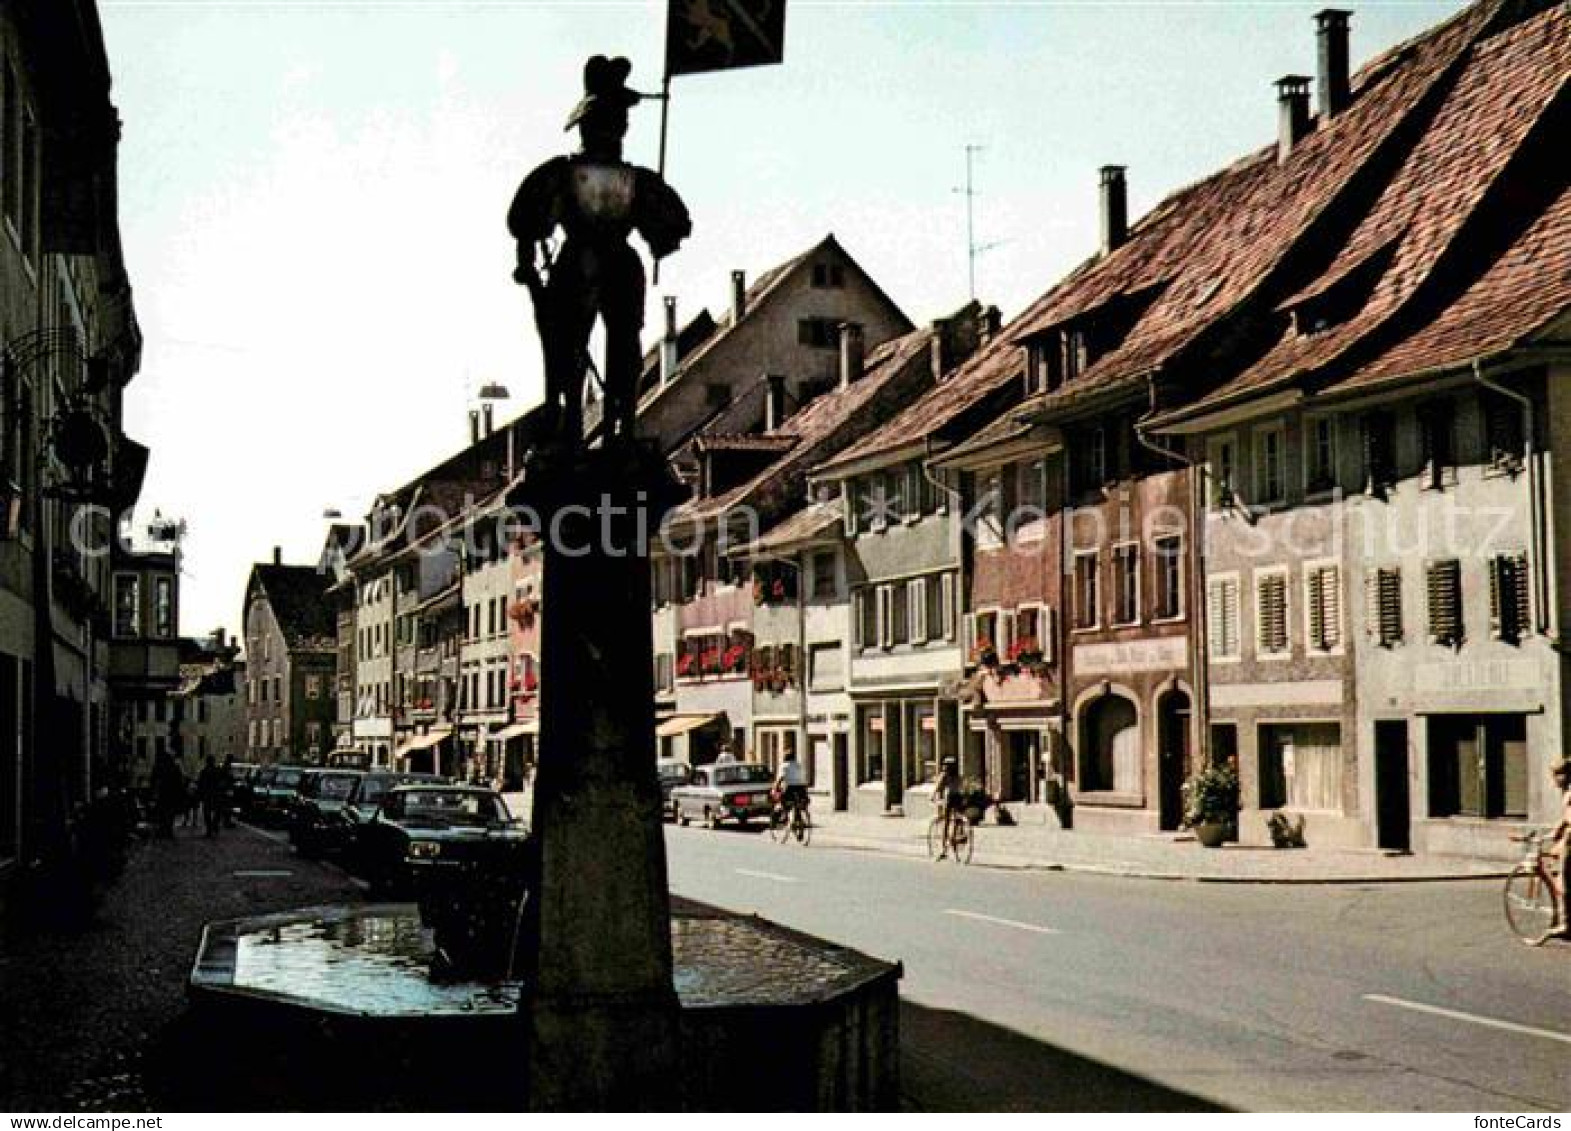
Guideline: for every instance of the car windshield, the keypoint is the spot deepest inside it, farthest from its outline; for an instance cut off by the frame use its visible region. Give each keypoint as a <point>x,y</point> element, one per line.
<point>740,775</point>
<point>456,807</point>
<point>674,771</point>
<point>287,779</point>
<point>335,786</point>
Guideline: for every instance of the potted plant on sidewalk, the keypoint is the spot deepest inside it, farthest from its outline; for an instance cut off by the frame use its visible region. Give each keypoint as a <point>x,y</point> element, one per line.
<point>1211,802</point>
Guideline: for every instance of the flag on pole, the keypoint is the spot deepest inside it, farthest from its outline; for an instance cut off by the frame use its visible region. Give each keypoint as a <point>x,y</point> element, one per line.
<point>719,35</point>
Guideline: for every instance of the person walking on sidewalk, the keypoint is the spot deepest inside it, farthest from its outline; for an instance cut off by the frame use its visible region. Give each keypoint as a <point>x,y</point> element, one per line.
<point>212,790</point>
<point>169,796</point>
<point>947,800</point>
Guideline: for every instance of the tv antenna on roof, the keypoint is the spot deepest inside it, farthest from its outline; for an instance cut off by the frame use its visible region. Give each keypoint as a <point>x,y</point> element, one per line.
<point>974,250</point>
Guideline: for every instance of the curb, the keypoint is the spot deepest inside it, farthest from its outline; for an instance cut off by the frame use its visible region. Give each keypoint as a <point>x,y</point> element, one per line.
<point>1029,864</point>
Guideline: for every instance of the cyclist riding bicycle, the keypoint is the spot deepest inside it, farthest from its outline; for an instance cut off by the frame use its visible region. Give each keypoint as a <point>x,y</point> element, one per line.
<point>1560,842</point>
<point>948,798</point>
<point>791,785</point>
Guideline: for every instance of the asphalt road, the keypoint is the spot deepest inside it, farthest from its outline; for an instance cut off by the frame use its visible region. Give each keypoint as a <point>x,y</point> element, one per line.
<point>1053,991</point>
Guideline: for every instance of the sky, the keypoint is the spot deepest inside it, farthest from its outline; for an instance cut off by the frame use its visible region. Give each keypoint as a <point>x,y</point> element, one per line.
<point>313,196</point>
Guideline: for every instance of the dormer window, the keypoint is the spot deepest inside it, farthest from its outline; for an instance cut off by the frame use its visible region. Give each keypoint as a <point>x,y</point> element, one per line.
<point>1044,369</point>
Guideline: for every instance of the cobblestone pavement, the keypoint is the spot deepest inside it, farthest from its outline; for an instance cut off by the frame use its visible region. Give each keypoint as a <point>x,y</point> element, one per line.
<point>85,1014</point>
<point>1037,842</point>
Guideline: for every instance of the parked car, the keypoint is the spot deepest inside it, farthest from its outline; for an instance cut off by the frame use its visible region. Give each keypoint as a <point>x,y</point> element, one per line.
<point>248,798</point>
<point>671,773</point>
<point>240,775</point>
<point>274,793</point>
<point>735,792</point>
<point>314,820</point>
<point>421,832</point>
<point>361,805</point>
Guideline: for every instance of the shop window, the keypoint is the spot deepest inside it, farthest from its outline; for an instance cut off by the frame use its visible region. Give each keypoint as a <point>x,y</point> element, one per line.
<point>1301,766</point>
<point>1478,766</point>
<point>872,736</point>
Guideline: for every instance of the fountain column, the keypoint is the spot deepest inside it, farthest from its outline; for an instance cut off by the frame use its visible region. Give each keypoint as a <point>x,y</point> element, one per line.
<point>597,956</point>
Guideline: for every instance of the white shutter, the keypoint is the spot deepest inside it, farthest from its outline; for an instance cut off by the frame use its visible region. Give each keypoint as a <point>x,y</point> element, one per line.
<point>917,604</point>
<point>947,589</point>
<point>1006,634</point>
<point>885,617</point>
<point>969,642</point>
<point>1047,625</point>
<point>1331,605</point>
<point>1271,614</point>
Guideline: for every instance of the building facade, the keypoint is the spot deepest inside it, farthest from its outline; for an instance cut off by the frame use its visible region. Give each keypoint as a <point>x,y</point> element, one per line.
<point>291,635</point>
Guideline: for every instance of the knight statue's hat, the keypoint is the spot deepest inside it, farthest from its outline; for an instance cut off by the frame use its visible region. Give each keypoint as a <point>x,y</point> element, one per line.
<point>605,83</point>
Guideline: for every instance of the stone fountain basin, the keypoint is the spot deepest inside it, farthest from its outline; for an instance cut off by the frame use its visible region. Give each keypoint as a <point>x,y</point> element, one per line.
<point>766,1011</point>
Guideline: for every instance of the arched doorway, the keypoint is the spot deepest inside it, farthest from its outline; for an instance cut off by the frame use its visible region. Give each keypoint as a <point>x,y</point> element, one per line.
<point>1110,745</point>
<point>1172,755</point>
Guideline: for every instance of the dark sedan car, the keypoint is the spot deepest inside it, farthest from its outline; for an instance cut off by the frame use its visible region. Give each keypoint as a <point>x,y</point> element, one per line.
<point>671,773</point>
<point>737,791</point>
<point>315,820</point>
<point>421,832</point>
<point>361,805</point>
<point>271,798</point>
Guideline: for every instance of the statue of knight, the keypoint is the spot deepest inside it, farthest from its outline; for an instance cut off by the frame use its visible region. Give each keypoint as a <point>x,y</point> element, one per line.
<point>598,200</point>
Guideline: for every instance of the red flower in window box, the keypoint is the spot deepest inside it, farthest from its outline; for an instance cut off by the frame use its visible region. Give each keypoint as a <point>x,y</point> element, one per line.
<point>686,662</point>
<point>531,683</point>
<point>984,653</point>
<point>1025,650</point>
<point>735,658</point>
<point>709,661</point>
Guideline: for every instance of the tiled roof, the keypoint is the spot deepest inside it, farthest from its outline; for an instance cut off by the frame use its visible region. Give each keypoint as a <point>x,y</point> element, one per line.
<point>300,604</point>
<point>745,442</point>
<point>988,371</point>
<point>803,526</point>
<point>1452,279</point>
<point>1208,251</point>
<point>821,424</point>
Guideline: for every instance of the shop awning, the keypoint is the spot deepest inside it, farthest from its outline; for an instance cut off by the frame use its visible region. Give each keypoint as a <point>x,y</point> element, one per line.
<point>425,741</point>
<point>517,730</point>
<point>681,724</point>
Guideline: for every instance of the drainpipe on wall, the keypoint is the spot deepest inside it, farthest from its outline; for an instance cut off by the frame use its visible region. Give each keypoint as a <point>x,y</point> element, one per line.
<point>958,503</point>
<point>1199,644</point>
<point>1535,494</point>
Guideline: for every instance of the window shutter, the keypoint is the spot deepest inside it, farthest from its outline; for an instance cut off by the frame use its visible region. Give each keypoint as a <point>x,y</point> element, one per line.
<point>1524,604</point>
<point>1047,625</point>
<point>1325,608</point>
<point>1383,606</point>
<point>885,619</point>
<point>1271,614</point>
<point>1006,634</point>
<point>947,590</point>
<point>1445,602</point>
<point>917,603</point>
<point>1508,597</point>
<point>969,641</point>
<point>848,503</point>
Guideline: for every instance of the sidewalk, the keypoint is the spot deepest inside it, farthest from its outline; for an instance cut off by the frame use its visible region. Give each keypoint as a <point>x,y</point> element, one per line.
<point>1038,843</point>
<point>87,1015</point>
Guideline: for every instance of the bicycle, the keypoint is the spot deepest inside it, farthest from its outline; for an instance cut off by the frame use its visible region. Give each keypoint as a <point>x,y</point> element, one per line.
<point>1531,893</point>
<point>791,822</point>
<point>952,835</point>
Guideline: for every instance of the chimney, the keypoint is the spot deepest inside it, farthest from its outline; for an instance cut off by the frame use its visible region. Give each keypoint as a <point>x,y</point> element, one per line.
<point>278,555</point>
<point>1335,86</point>
<point>485,414</point>
<point>850,353</point>
<point>474,427</point>
<point>738,296</point>
<point>992,322</point>
<point>1115,209</point>
<point>774,401</point>
<point>1292,99</point>
<point>668,356</point>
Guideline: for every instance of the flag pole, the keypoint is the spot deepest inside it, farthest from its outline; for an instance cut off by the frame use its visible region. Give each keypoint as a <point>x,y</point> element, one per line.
<point>665,114</point>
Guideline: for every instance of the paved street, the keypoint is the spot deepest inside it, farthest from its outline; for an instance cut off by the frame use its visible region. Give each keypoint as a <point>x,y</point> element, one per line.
<point>1051,990</point>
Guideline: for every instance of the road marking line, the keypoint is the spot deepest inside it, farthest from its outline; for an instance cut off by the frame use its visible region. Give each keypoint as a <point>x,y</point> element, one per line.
<point>261,873</point>
<point>1458,1015</point>
<point>779,879</point>
<point>276,838</point>
<point>1003,922</point>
